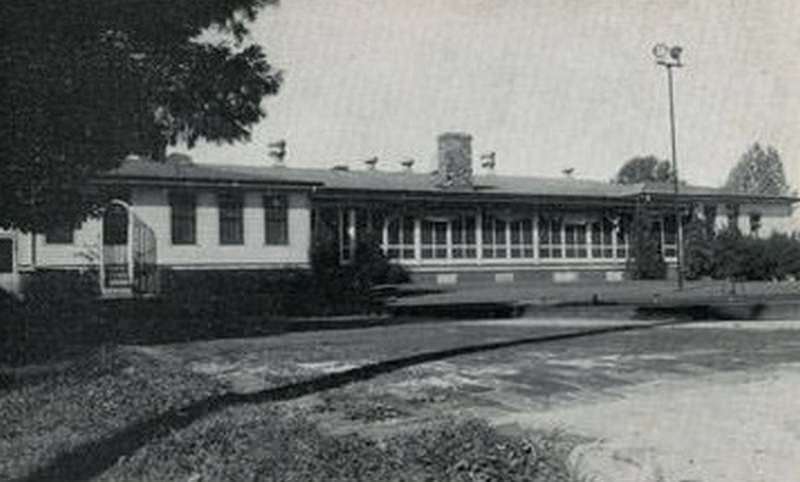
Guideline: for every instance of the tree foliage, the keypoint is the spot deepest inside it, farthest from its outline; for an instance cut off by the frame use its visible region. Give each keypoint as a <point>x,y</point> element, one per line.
<point>644,169</point>
<point>87,82</point>
<point>759,171</point>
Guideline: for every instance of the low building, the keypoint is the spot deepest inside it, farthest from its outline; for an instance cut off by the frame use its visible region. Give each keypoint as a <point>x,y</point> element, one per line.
<point>453,225</point>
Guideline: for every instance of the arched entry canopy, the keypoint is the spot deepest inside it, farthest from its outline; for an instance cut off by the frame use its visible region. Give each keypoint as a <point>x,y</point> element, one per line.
<point>129,252</point>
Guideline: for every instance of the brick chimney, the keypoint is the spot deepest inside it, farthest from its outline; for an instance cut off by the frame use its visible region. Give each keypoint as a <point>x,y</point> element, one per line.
<point>455,159</point>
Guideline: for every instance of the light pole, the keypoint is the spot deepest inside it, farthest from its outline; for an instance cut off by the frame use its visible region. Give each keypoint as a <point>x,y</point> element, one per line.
<point>670,58</point>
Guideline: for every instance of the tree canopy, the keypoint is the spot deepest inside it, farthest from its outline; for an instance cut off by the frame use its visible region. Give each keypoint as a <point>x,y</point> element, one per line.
<point>87,82</point>
<point>644,169</point>
<point>759,171</point>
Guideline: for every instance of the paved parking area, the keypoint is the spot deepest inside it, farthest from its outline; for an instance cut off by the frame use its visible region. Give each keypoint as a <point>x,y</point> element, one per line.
<point>712,401</point>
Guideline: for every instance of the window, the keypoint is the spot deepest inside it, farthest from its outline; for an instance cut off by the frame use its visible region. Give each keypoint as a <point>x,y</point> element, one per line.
<point>464,239</point>
<point>521,235</point>
<point>434,239</point>
<point>400,238</point>
<point>575,241</point>
<point>231,219</point>
<point>602,239</point>
<point>755,223</point>
<point>670,237</point>
<point>550,238</point>
<point>60,234</point>
<point>6,255</point>
<point>183,217</point>
<point>276,219</point>
<point>494,237</point>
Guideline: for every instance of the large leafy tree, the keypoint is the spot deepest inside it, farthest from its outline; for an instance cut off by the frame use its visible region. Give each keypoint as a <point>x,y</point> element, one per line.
<point>644,169</point>
<point>87,82</point>
<point>759,171</point>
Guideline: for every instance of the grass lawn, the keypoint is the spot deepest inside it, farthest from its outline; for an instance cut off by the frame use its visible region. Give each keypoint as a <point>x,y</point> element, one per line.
<point>47,427</point>
<point>625,292</point>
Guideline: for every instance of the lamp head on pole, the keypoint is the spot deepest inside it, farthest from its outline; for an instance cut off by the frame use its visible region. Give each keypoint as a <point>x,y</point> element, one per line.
<point>668,56</point>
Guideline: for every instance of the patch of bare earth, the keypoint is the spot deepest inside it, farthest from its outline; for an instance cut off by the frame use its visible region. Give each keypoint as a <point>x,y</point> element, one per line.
<point>720,427</point>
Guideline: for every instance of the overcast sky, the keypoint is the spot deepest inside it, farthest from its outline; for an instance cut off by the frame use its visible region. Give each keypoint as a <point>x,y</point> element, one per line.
<point>546,84</point>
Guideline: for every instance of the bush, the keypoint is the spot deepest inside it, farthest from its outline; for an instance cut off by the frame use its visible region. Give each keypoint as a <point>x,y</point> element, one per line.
<point>57,311</point>
<point>646,260</point>
<point>698,254</point>
<point>745,258</point>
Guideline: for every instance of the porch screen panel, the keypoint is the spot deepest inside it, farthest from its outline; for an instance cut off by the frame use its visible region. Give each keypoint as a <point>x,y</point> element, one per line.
<point>434,239</point>
<point>400,238</point>
<point>231,219</point>
<point>521,234</point>
<point>183,217</point>
<point>602,239</point>
<point>464,238</point>
<point>494,237</point>
<point>575,241</point>
<point>550,238</point>
<point>276,219</point>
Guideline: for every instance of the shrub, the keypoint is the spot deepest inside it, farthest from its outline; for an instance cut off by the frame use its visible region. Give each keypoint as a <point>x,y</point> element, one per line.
<point>698,253</point>
<point>57,311</point>
<point>740,257</point>
<point>646,260</point>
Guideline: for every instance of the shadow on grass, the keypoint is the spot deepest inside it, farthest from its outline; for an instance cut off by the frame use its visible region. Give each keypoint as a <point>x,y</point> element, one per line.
<point>93,458</point>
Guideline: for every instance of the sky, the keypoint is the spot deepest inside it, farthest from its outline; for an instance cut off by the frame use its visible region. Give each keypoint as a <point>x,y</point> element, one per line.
<point>545,84</point>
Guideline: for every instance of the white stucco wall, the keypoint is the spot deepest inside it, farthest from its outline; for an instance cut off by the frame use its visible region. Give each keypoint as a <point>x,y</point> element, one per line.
<point>775,218</point>
<point>151,205</point>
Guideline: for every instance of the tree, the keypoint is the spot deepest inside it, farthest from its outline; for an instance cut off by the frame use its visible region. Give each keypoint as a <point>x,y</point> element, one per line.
<point>759,171</point>
<point>87,82</point>
<point>644,169</point>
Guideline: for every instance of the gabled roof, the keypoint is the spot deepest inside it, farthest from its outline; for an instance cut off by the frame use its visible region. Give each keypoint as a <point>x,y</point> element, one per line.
<point>387,183</point>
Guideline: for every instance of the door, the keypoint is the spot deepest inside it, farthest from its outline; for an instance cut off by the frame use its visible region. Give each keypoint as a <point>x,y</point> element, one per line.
<point>115,246</point>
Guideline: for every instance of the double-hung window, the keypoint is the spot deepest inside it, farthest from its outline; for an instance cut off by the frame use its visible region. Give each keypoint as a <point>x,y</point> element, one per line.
<point>6,255</point>
<point>276,219</point>
<point>183,217</point>
<point>59,234</point>
<point>231,219</point>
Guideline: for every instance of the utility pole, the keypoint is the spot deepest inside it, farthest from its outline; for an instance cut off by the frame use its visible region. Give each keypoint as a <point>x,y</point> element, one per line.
<point>670,58</point>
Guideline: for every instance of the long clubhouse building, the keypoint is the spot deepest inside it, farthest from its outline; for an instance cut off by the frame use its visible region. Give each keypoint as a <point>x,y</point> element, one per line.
<point>448,226</point>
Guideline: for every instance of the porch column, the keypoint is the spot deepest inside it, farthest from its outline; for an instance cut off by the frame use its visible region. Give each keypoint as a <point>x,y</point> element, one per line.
<point>417,239</point>
<point>130,246</point>
<point>535,218</point>
<point>479,235</point>
<point>614,235</point>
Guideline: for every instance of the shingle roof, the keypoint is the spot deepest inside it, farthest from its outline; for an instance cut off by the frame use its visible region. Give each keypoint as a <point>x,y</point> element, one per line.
<point>330,180</point>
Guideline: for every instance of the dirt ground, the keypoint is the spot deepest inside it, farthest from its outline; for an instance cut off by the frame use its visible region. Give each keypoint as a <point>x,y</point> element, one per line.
<point>699,402</point>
